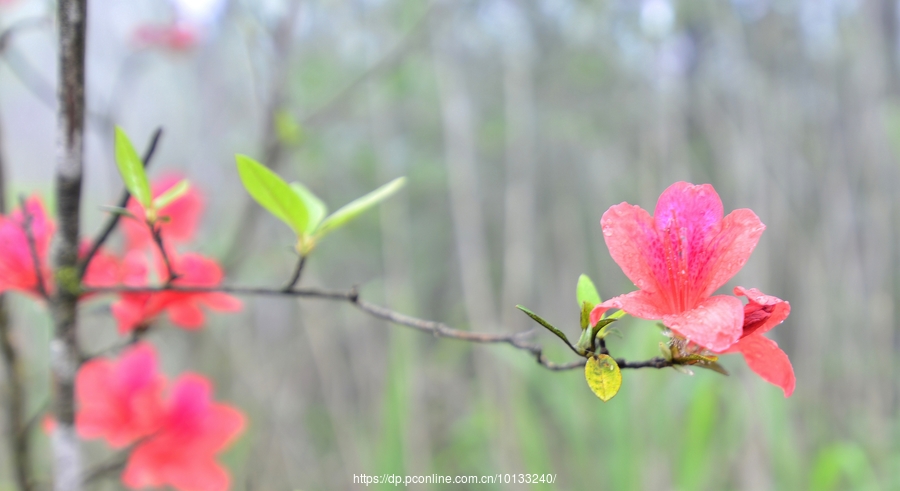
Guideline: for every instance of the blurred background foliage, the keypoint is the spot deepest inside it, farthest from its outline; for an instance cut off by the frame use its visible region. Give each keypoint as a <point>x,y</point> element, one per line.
<point>517,123</point>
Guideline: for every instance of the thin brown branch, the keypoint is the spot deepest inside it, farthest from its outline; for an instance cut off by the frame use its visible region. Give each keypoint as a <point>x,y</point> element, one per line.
<point>27,222</point>
<point>114,218</point>
<point>114,464</point>
<point>156,232</point>
<point>439,329</point>
<point>295,277</point>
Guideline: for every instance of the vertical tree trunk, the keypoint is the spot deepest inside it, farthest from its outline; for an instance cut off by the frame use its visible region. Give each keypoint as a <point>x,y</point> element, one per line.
<point>64,352</point>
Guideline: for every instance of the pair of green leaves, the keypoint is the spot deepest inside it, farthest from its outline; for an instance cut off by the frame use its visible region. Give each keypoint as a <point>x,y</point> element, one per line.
<point>299,208</point>
<point>131,167</point>
<point>601,371</point>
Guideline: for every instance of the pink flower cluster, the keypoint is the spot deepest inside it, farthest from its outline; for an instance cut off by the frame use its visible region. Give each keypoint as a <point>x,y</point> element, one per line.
<point>174,428</point>
<point>678,258</point>
<point>134,268</point>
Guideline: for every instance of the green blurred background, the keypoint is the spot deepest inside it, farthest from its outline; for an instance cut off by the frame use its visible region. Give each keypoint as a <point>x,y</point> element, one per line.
<point>518,123</point>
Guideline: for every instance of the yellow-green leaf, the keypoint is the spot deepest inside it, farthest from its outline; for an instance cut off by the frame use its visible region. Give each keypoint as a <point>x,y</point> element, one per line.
<point>603,376</point>
<point>586,309</point>
<point>171,194</point>
<point>352,209</point>
<point>132,170</point>
<point>586,291</point>
<point>273,194</point>
<point>315,208</point>
<point>540,320</point>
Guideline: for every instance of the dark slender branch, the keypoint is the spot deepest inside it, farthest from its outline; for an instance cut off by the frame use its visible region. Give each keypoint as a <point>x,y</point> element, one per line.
<point>438,329</point>
<point>158,240</point>
<point>114,218</point>
<point>114,464</point>
<point>651,363</point>
<point>295,278</point>
<point>27,222</point>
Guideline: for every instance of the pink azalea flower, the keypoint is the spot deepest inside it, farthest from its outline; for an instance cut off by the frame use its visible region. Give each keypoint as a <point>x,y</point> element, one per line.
<point>183,216</point>
<point>176,437</point>
<point>119,401</point>
<point>763,355</point>
<point>678,258</point>
<point>134,310</point>
<point>17,271</point>
<point>173,37</point>
<point>182,451</point>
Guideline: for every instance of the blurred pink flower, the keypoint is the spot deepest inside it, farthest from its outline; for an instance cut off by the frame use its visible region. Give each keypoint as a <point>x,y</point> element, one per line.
<point>183,215</point>
<point>182,451</point>
<point>133,310</point>
<point>176,436</point>
<point>17,271</point>
<point>173,37</point>
<point>120,400</point>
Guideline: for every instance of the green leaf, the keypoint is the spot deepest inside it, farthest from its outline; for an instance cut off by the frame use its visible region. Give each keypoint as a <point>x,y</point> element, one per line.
<point>586,309</point>
<point>132,170</point>
<point>603,376</point>
<point>273,194</point>
<point>601,328</point>
<point>586,291</point>
<point>171,194</point>
<point>354,208</point>
<point>544,323</point>
<point>315,208</point>
<point>616,315</point>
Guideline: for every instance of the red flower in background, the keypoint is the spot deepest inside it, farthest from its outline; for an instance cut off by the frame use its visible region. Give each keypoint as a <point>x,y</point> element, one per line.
<point>17,271</point>
<point>182,452</point>
<point>183,215</point>
<point>133,310</point>
<point>174,37</point>
<point>678,258</point>
<point>177,436</point>
<point>763,355</point>
<point>120,401</point>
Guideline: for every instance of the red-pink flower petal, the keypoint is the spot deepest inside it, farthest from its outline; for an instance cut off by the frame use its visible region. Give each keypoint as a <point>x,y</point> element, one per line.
<point>199,475</point>
<point>715,324</point>
<point>632,241</point>
<point>696,208</point>
<point>17,271</point>
<point>182,453</point>
<point>637,303</point>
<point>763,312</point>
<point>731,247</point>
<point>222,302</point>
<point>119,400</point>
<point>764,357</point>
<point>183,216</point>
<point>186,314</point>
